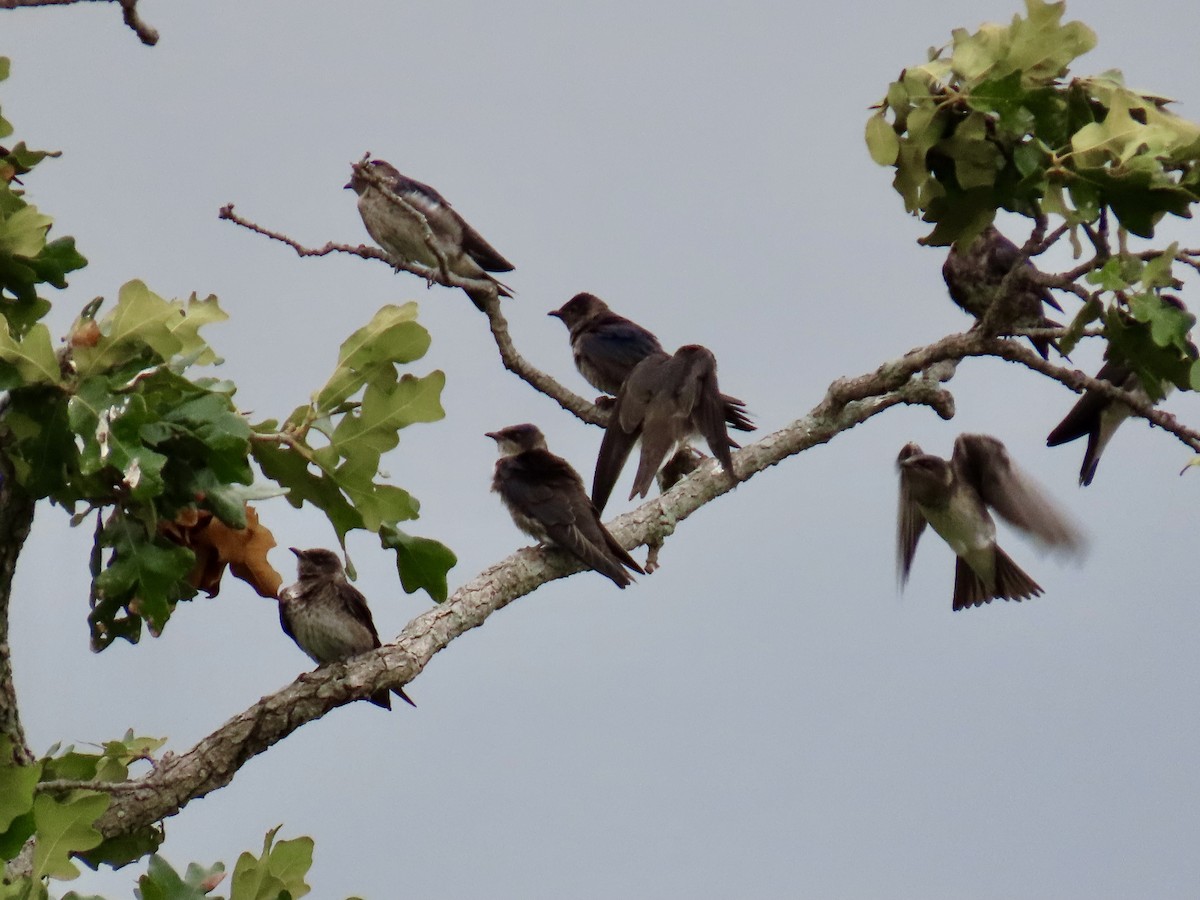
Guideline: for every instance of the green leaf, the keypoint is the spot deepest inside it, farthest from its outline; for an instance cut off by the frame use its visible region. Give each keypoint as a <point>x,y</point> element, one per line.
<point>33,356</point>
<point>291,470</point>
<point>280,868</point>
<point>389,405</point>
<point>882,143</point>
<point>162,882</point>
<point>422,564</point>
<point>16,786</point>
<point>23,233</point>
<point>64,826</point>
<point>392,336</point>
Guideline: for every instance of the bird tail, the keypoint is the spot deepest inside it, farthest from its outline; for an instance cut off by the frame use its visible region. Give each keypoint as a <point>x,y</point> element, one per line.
<point>1010,583</point>
<point>736,415</point>
<point>383,698</point>
<point>480,296</point>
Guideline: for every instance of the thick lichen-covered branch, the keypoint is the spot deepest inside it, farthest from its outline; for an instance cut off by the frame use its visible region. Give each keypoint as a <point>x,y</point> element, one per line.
<point>214,761</point>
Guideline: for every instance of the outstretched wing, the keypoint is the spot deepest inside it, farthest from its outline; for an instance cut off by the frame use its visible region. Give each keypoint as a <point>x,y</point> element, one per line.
<point>983,461</point>
<point>909,521</point>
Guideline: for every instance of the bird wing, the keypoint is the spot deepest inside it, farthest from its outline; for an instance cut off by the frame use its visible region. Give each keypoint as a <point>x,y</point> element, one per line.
<point>481,251</point>
<point>355,604</point>
<point>1085,414</point>
<point>614,345</point>
<point>551,492</point>
<point>910,523</point>
<point>625,424</point>
<point>701,397</point>
<point>983,462</point>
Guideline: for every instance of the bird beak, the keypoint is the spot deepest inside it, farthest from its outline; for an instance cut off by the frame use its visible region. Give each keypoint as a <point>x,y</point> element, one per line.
<point>493,435</point>
<point>347,187</point>
<point>557,313</point>
<point>297,552</point>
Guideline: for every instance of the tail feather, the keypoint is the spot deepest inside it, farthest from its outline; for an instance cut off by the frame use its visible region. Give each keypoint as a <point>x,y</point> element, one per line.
<point>1011,583</point>
<point>383,698</point>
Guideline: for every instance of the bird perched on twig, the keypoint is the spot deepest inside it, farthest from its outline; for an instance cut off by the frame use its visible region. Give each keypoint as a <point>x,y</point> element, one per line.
<point>953,496</point>
<point>546,499</point>
<point>1097,417</point>
<point>327,616</point>
<point>607,347</point>
<point>664,402</point>
<point>423,226</point>
<point>974,275</point>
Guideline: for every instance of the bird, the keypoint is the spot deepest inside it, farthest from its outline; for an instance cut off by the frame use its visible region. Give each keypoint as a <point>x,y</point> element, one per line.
<point>1097,417</point>
<point>954,496</point>
<point>607,347</point>
<point>403,235</point>
<point>973,276</point>
<point>546,499</point>
<point>664,402</point>
<point>327,616</point>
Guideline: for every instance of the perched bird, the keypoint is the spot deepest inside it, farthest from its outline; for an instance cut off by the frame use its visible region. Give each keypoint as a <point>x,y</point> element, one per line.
<point>1097,417</point>
<point>953,496</point>
<point>403,235</point>
<point>607,346</point>
<point>664,402</point>
<point>327,616</point>
<point>546,500</point>
<point>974,274</point>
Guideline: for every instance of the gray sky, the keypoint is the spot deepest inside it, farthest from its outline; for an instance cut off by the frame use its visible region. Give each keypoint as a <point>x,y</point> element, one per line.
<point>762,716</point>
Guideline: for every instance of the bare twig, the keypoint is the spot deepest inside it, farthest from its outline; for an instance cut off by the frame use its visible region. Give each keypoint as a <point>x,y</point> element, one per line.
<point>513,361</point>
<point>129,13</point>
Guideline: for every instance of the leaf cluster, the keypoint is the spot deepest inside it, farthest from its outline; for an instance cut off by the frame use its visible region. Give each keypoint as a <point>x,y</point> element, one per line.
<point>990,122</point>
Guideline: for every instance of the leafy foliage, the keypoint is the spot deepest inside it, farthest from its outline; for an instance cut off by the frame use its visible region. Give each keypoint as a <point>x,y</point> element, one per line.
<point>328,452</point>
<point>992,125</point>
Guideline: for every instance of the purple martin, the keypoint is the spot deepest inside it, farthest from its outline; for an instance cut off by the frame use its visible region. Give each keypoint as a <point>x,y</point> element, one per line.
<point>402,234</point>
<point>1097,417</point>
<point>664,402</point>
<point>953,496</point>
<point>607,346</point>
<point>974,274</point>
<point>327,616</point>
<point>547,500</point>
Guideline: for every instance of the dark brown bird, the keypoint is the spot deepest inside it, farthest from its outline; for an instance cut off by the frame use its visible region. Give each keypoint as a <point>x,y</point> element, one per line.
<point>1097,417</point>
<point>327,616</point>
<point>547,500</point>
<point>402,234</point>
<point>607,347</point>
<point>663,403</point>
<point>974,275</point>
<point>953,496</point>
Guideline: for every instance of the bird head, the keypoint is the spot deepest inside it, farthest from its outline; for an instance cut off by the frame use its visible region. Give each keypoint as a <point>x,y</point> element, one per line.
<point>580,308</point>
<point>518,438</point>
<point>317,562</point>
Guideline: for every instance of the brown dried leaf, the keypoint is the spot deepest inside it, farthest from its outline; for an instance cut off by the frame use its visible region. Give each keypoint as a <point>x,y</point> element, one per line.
<point>216,546</point>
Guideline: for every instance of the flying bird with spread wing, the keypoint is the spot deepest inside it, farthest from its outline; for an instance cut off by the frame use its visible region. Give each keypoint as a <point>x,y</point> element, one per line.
<point>954,496</point>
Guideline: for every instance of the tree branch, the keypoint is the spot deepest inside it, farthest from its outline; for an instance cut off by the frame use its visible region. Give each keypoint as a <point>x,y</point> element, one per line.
<point>513,361</point>
<point>129,13</point>
<point>16,517</point>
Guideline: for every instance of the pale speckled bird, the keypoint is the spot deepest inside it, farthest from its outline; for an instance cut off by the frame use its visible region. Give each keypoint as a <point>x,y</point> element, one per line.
<point>328,617</point>
<point>402,234</point>
<point>954,495</point>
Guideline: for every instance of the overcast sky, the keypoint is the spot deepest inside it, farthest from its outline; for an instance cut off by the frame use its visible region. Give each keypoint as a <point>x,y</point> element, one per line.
<point>761,717</point>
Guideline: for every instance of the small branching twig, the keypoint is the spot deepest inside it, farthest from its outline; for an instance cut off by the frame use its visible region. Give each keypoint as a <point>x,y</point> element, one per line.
<point>513,361</point>
<point>129,13</point>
